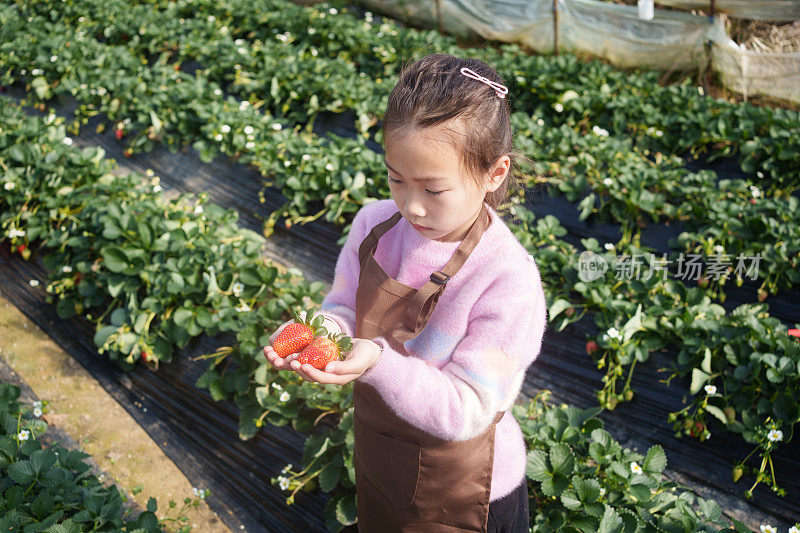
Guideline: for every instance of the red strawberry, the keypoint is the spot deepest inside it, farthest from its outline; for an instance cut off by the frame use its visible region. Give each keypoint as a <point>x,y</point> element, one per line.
<point>591,347</point>
<point>298,335</point>
<point>127,153</point>
<point>119,134</point>
<point>794,332</point>
<point>21,248</point>
<point>323,350</point>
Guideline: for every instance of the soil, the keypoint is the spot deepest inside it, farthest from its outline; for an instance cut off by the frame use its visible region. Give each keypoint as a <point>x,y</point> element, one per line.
<point>77,404</point>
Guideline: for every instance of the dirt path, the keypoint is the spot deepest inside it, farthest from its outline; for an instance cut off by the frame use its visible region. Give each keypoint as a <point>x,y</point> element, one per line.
<point>100,426</point>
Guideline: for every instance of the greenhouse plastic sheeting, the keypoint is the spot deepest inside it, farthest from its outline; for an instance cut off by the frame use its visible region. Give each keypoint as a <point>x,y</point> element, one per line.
<point>614,32</point>
<point>776,10</point>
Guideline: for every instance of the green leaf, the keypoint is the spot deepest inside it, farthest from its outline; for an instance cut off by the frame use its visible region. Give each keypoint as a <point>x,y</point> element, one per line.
<point>329,476</point>
<point>562,460</point>
<point>570,500</point>
<point>611,521</point>
<point>698,379</point>
<point>706,364</point>
<point>558,306</point>
<point>655,461</point>
<point>22,472</point>
<point>346,509</point>
<point>718,413</point>
<point>537,466</point>
<point>115,259</point>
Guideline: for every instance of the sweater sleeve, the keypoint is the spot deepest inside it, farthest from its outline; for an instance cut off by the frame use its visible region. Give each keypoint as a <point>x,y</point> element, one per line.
<point>486,368</point>
<point>339,305</point>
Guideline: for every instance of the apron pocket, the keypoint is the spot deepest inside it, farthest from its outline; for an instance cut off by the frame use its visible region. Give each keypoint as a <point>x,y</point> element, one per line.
<point>391,465</point>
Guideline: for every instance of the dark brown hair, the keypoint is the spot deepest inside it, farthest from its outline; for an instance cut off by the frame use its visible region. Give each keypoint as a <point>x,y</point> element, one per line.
<point>432,91</point>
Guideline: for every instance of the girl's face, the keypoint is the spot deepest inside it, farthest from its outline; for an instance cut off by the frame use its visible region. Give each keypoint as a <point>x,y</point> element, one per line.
<point>431,189</point>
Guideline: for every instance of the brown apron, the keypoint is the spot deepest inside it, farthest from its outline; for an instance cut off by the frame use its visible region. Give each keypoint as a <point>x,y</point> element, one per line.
<point>407,479</point>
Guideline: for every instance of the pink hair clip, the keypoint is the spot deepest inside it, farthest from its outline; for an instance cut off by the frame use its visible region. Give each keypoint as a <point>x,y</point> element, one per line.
<point>499,88</point>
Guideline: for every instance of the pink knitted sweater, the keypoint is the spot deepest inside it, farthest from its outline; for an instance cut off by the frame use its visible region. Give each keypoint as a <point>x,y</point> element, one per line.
<point>485,331</point>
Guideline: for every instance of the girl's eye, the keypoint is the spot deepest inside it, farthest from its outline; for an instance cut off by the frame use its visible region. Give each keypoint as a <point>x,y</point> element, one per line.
<point>434,193</point>
<point>391,179</point>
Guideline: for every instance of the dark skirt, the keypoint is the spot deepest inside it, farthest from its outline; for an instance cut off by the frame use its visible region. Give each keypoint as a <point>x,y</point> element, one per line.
<point>510,514</point>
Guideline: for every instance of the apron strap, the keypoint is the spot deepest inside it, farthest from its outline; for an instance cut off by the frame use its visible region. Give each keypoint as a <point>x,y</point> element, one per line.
<point>372,239</point>
<point>421,307</point>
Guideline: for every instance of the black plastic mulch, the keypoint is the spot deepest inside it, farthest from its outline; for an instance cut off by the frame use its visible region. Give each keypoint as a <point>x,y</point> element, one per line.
<point>201,434</point>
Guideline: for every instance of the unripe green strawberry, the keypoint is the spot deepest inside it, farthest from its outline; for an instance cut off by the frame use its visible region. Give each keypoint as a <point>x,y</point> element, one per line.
<point>296,336</point>
<point>323,350</point>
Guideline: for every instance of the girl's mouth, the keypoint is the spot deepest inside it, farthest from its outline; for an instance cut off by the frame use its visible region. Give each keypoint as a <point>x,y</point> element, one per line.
<point>418,227</point>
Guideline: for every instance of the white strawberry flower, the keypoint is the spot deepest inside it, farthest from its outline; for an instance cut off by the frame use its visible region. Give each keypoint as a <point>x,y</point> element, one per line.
<point>34,283</point>
<point>558,107</point>
<point>37,412</point>
<point>212,18</point>
<point>277,127</point>
<point>37,72</point>
<point>756,192</point>
<point>314,52</point>
<point>277,386</point>
<point>14,232</point>
<point>306,157</point>
<point>248,130</point>
<point>53,58</point>
<point>67,141</point>
<point>794,529</point>
<point>238,67</point>
<point>719,248</point>
<point>242,50</point>
<point>250,145</point>
<point>333,11</point>
<point>217,91</point>
<point>50,119</point>
<point>613,333</point>
<point>218,137</point>
<point>602,491</point>
<point>600,132</point>
<point>66,269</point>
<point>540,121</point>
<point>225,128</point>
<point>766,528</point>
<point>286,468</point>
<point>157,188</point>
<point>287,163</point>
<point>244,308</point>
<point>710,389</point>
<point>311,31</point>
<point>198,209</point>
<point>775,435</point>
<point>329,166</point>
<point>283,483</point>
<point>37,403</point>
<point>243,104</point>
<point>285,396</point>
<point>635,468</point>
<point>608,246</point>
<point>238,287</point>
<point>239,42</point>
<point>607,182</point>
<point>24,434</point>
<point>9,185</point>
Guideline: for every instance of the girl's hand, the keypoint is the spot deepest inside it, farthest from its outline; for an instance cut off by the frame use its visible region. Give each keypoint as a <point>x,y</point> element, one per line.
<point>360,358</point>
<point>277,361</point>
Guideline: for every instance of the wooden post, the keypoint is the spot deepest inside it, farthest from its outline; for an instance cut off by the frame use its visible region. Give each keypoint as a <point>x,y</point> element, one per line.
<point>555,27</point>
<point>439,15</point>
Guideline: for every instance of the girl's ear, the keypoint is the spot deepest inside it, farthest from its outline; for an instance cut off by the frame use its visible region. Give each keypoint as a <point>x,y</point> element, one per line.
<point>498,173</point>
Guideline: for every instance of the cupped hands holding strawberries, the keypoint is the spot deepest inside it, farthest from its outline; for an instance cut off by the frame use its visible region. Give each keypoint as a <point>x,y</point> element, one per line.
<point>305,346</point>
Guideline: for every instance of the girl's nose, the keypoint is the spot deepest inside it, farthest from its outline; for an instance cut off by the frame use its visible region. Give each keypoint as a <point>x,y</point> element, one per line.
<point>415,207</point>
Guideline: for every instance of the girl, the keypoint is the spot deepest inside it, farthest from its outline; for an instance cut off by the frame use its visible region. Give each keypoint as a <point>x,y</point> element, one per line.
<point>446,311</point>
